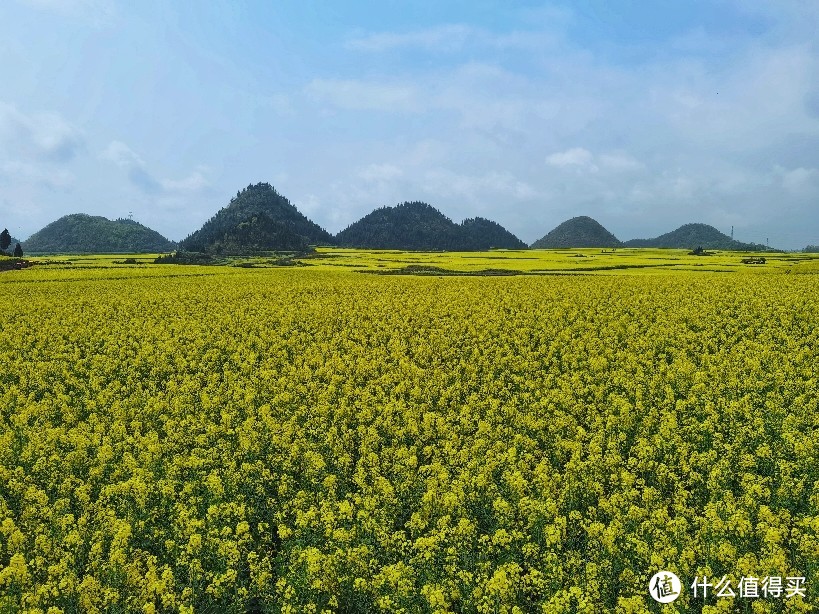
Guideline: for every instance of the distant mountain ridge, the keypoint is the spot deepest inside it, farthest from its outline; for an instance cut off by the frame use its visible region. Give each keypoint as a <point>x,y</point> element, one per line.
<point>79,233</point>
<point>583,231</point>
<point>258,219</point>
<point>420,226</point>
<point>690,236</point>
<point>580,231</point>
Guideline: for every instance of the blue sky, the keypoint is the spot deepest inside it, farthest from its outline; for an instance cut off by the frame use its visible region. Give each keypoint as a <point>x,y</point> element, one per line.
<point>643,115</point>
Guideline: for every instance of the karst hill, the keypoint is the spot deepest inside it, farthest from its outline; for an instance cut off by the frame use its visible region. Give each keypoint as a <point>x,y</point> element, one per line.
<point>581,231</point>
<point>258,219</point>
<point>690,236</point>
<point>79,233</point>
<point>420,226</point>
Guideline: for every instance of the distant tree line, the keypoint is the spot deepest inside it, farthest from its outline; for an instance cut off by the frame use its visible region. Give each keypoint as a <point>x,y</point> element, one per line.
<point>812,248</point>
<point>5,243</point>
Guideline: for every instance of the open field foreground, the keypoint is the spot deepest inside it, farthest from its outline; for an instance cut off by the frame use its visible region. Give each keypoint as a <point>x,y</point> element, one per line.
<point>308,439</point>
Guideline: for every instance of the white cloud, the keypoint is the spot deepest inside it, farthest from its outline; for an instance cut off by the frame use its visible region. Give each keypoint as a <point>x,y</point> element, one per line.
<point>581,159</point>
<point>281,104</point>
<point>743,106</point>
<point>531,123</point>
<point>799,181</point>
<point>452,38</point>
<point>37,150</point>
<point>576,156</point>
<point>444,182</point>
<point>122,155</point>
<point>46,136</point>
<point>620,162</point>
<point>32,174</point>
<point>687,134</point>
<point>195,182</point>
<point>380,172</point>
<point>126,158</point>
<point>96,12</point>
<point>309,204</point>
<point>360,95</point>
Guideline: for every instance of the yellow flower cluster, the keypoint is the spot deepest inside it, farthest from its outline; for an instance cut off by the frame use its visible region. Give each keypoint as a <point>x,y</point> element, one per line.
<point>317,441</point>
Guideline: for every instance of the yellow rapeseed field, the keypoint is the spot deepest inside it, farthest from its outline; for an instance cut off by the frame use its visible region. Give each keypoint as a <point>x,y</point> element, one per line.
<point>191,439</point>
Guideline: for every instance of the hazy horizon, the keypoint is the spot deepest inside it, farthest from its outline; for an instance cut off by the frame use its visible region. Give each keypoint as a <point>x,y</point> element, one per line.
<point>641,117</point>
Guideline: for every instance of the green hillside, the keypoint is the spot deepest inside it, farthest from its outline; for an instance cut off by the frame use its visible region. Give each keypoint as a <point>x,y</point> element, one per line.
<point>79,233</point>
<point>409,225</point>
<point>581,231</point>
<point>420,226</point>
<point>258,219</point>
<point>479,234</point>
<point>691,236</point>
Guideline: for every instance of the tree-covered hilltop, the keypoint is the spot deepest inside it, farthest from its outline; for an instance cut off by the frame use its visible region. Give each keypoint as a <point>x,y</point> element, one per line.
<point>811,249</point>
<point>480,234</point>
<point>258,219</point>
<point>409,225</point>
<point>79,233</point>
<point>691,236</point>
<point>258,233</point>
<point>581,231</point>
<point>420,226</point>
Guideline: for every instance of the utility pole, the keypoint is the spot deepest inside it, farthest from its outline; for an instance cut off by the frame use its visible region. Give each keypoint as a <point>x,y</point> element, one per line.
<point>732,233</point>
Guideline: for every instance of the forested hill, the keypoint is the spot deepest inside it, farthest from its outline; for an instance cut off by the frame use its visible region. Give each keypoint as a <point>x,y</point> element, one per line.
<point>581,231</point>
<point>480,234</point>
<point>257,219</point>
<point>691,236</point>
<point>79,233</point>
<point>419,226</point>
<point>410,225</point>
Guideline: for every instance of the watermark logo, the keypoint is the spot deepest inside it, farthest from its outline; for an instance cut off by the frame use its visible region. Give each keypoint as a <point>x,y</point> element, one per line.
<point>664,587</point>
<point>750,587</point>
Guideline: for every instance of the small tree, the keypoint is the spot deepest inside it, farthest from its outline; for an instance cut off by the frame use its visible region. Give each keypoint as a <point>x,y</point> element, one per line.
<point>18,251</point>
<point>5,239</point>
